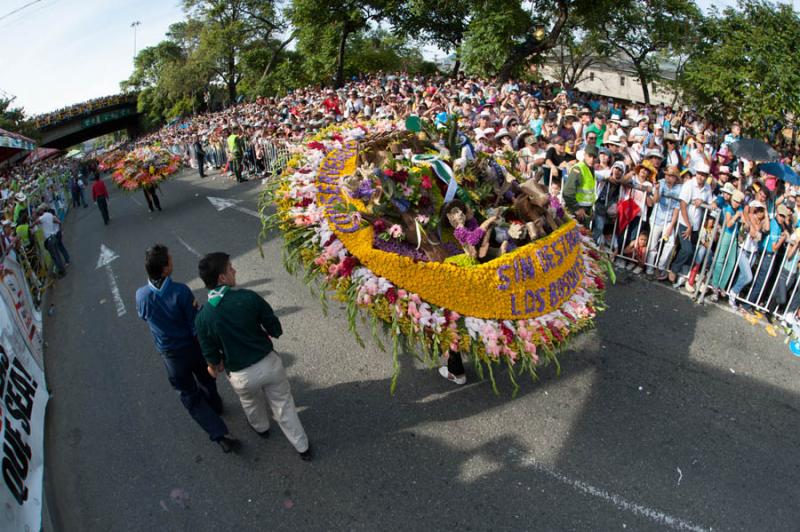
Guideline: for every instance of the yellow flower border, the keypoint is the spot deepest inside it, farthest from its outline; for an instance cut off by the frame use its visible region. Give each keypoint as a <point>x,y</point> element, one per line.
<point>533,280</point>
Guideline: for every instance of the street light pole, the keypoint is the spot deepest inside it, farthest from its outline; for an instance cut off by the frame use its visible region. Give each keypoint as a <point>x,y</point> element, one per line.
<point>135,24</point>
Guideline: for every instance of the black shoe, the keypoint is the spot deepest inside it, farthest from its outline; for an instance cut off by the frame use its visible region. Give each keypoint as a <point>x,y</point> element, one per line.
<point>229,443</point>
<point>307,454</point>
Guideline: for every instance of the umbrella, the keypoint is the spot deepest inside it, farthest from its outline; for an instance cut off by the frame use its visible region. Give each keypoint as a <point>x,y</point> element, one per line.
<point>754,150</point>
<point>782,171</point>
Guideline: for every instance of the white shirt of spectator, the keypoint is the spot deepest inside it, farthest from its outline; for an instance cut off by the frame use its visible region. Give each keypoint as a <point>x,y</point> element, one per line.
<point>48,224</point>
<point>691,191</point>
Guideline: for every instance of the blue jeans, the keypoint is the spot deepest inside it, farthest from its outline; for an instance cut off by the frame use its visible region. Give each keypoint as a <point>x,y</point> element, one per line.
<point>597,228</point>
<point>186,368</point>
<point>57,251</point>
<point>686,251</point>
<point>761,278</point>
<point>745,274</point>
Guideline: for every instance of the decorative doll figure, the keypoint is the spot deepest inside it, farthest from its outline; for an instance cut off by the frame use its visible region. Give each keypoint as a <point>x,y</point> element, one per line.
<point>474,238</point>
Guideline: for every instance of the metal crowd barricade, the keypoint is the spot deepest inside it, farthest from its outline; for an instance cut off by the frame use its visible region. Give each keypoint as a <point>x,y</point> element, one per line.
<point>755,260</point>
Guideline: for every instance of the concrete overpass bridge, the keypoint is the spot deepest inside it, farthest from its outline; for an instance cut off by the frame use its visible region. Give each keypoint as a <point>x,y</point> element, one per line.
<point>78,123</point>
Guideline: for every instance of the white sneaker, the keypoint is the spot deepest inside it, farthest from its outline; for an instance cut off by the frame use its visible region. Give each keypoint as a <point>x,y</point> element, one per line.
<point>679,282</point>
<point>637,270</point>
<point>732,301</point>
<point>619,263</point>
<point>630,266</point>
<point>452,378</point>
<point>650,271</point>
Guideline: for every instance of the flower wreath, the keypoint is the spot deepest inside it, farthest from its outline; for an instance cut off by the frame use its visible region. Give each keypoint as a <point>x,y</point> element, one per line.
<point>338,256</point>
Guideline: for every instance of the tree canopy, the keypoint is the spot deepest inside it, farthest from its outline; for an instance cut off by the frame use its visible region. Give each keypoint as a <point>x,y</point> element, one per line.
<point>737,63</point>
<point>745,67</point>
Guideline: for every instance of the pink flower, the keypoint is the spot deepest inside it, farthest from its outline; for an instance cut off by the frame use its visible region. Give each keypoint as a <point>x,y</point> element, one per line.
<point>396,231</point>
<point>426,182</point>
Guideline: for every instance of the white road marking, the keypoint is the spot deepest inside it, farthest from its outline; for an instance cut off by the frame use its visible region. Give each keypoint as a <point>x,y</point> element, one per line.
<point>225,203</point>
<point>107,256</point>
<point>620,502</point>
<point>188,247</point>
<point>136,201</point>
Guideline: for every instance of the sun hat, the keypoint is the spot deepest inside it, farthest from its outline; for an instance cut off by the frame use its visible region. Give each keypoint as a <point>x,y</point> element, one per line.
<point>19,196</point>
<point>783,210</point>
<point>673,171</point>
<point>585,111</point>
<point>755,204</point>
<point>502,133</point>
<point>653,153</point>
<point>724,170</point>
<point>737,196</point>
<point>701,168</point>
<point>728,188</point>
<point>613,140</point>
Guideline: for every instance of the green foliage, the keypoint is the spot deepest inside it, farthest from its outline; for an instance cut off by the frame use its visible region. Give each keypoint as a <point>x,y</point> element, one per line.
<point>745,67</point>
<point>640,30</point>
<point>14,119</point>
<point>497,27</point>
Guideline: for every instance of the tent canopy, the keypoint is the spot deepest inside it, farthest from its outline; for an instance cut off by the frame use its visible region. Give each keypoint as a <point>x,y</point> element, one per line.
<point>40,154</point>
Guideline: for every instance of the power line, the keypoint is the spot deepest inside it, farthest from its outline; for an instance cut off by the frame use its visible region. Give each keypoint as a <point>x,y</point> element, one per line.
<point>20,9</point>
<point>28,14</point>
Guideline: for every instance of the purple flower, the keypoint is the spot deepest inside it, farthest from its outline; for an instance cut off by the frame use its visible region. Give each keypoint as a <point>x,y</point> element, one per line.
<point>365,189</point>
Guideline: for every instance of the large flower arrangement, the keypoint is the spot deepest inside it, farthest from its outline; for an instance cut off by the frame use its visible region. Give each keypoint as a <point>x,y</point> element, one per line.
<point>145,166</point>
<point>110,159</point>
<point>345,219</point>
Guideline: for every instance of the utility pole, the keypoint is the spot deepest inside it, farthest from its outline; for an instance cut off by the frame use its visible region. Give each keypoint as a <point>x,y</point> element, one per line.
<point>135,24</point>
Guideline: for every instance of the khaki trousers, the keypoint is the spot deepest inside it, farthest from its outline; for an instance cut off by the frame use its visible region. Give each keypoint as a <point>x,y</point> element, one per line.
<point>265,382</point>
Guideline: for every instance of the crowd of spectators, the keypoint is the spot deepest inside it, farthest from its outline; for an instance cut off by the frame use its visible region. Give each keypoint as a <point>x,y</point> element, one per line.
<point>28,191</point>
<point>672,200</point>
<point>81,109</point>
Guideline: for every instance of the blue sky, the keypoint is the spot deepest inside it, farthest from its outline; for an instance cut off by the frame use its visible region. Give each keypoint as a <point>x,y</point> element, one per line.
<point>60,52</point>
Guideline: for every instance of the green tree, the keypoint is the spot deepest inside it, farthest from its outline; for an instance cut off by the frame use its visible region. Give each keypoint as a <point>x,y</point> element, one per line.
<point>641,30</point>
<point>443,23</point>
<point>12,118</point>
<point>324,28</point>
<point>231,29</point>
<point>745,66</point>
<point>504,36</point>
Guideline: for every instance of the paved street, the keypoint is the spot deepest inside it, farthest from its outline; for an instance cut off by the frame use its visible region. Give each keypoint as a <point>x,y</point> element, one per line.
<point>666,416</point>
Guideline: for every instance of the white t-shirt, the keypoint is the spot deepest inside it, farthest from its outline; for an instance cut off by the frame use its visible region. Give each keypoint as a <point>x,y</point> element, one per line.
<point>691,191</point>
<point>48,225</point>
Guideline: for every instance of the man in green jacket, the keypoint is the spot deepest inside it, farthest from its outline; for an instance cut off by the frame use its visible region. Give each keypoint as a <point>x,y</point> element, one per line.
<point>579,190</point>
<point>235,330</point>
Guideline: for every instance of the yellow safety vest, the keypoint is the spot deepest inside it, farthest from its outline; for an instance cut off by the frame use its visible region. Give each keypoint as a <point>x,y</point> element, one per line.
<point>586,193</point>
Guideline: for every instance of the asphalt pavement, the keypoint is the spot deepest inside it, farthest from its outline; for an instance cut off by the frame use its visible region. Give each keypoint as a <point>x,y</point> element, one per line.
<point>667,415</point>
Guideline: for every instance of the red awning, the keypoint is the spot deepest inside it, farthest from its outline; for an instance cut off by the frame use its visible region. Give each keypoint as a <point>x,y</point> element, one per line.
<point>40,154</point>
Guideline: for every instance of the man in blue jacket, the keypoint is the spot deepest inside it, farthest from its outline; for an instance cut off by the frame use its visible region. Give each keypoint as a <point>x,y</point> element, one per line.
<point>169,308</point>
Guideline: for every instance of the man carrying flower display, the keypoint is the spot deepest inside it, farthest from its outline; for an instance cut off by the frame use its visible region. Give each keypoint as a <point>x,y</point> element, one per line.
<point>235,330</point>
